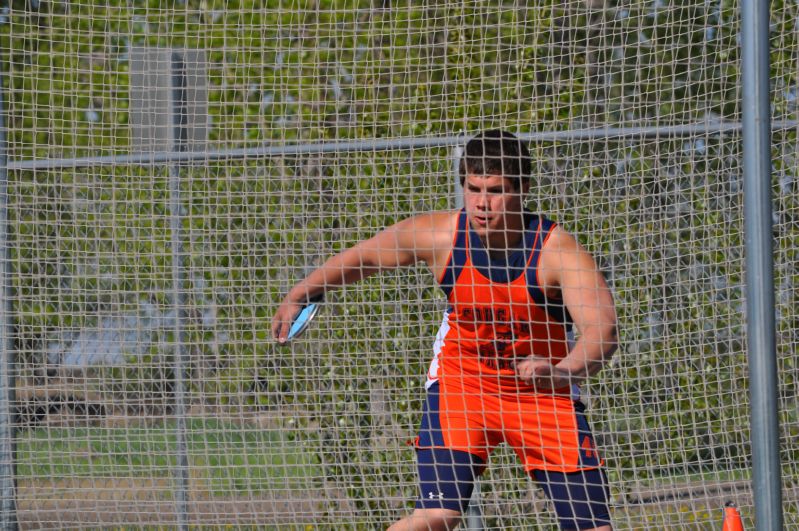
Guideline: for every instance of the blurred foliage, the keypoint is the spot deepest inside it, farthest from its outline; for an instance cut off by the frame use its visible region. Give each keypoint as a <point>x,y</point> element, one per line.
<point>662,214</point>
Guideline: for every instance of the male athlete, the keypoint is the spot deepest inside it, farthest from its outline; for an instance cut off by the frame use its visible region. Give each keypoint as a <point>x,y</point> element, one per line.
<point>506,365</point>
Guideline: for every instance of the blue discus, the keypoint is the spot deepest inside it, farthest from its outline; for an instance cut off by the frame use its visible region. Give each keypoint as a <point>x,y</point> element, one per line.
<point>303,319</point>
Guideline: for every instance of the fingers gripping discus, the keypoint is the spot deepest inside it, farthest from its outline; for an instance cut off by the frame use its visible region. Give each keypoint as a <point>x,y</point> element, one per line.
<point>304,318</point>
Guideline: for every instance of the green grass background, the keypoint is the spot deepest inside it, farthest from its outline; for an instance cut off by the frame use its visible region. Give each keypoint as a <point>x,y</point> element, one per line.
<point>231,459</point>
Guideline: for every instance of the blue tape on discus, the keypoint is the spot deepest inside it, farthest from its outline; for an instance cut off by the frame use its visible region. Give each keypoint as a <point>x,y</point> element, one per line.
<point>302,320</point>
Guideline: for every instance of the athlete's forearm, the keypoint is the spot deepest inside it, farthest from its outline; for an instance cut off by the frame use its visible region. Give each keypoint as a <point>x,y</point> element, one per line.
<point>592,350</point>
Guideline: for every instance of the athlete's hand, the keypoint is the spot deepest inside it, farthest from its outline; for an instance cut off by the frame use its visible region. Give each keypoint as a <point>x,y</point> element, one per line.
<point>542,374</point>
<point>281,322</point>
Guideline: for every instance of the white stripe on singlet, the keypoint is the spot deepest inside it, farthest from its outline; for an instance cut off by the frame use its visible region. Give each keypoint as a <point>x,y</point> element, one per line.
<point>443,330</point>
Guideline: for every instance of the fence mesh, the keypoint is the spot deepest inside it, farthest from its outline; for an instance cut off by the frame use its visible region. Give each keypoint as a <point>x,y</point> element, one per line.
<point>126,274</point>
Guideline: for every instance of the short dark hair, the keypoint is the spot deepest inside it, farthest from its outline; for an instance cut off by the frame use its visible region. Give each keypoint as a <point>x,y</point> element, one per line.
<point>496,152</point>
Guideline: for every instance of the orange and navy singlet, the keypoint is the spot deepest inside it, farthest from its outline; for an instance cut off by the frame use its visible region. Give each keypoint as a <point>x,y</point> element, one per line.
<point>498,314</point>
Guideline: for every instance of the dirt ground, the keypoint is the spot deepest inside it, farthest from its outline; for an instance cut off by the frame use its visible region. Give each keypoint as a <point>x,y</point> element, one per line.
<point>145,502</point>
<point>139,502</point>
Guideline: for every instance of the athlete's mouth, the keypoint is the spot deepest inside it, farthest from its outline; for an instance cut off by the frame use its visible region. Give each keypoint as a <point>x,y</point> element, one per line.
<point>481,220</point>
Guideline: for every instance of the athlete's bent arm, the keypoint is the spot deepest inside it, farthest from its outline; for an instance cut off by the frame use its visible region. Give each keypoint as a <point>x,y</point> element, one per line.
<point>570,271</point>
<point>412,240</point>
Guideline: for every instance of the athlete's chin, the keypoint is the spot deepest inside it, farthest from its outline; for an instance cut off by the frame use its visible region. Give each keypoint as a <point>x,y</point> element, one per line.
<point>490,230</point>
<point>482,232</point>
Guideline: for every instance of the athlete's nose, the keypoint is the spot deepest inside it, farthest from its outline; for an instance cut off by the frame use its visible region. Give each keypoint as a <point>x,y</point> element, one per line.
<point>482,201</point>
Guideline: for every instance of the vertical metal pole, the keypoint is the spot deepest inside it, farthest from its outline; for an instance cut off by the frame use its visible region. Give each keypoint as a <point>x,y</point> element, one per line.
<point>759,265</point>
<point>179,291</point>
<point>473,519</point>
<point>8,476</point>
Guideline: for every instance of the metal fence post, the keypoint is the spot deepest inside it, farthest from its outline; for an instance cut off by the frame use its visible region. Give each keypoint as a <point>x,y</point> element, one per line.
<point>8,516</point>
<point>169,108</point>
<point>760,306</point>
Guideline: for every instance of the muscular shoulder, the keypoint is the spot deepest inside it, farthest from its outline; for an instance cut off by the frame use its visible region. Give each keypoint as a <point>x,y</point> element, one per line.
<point>559,241</point>
<point>438,224</point>
<point>431,235</point>
<point>562,254</point>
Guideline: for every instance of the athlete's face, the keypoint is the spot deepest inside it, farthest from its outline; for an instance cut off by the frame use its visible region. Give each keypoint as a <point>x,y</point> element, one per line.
<point>493,204</point>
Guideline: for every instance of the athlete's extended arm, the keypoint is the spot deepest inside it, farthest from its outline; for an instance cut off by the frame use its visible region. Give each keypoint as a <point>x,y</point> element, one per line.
<point>412,240</point>
<point>570,270</point>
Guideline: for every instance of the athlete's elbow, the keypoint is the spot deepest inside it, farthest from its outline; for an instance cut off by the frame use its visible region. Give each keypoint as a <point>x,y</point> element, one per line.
<point>610,340</point>
<point>605,338</point>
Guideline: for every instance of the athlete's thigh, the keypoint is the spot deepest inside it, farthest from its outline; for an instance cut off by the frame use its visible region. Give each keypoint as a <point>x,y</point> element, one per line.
<point>552,433</point>
<point>447,471</point>
<point>446,478</point>
<point>455,420</point>
<point>580,498</point>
